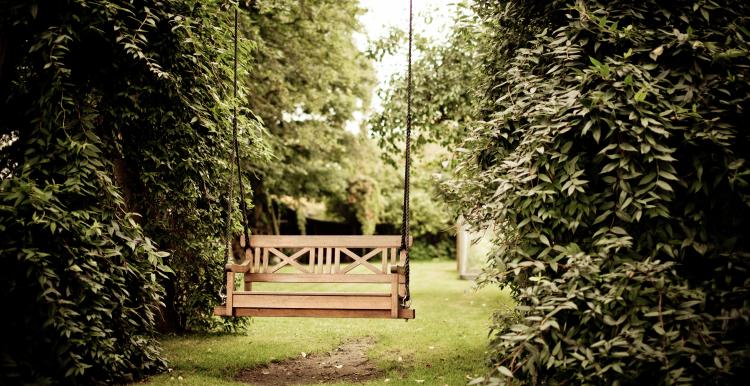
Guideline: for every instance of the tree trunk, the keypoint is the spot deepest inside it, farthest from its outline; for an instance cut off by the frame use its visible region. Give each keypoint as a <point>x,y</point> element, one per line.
<point>169,318</point>
<point>126,182</point>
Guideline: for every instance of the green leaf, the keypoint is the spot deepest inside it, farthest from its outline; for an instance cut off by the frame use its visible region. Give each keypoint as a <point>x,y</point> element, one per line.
<point>705,14</point>
<point>505,371</point>
<point>664,185</point>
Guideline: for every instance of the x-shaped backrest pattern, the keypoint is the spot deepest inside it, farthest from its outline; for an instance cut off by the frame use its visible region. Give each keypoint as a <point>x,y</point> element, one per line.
<point>323,260</point>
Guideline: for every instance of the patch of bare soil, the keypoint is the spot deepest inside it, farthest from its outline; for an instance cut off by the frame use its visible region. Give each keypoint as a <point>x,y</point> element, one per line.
<point>347,362</point>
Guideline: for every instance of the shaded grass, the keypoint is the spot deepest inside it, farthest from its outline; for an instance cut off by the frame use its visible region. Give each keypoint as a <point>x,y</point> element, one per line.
<point>444,345</point>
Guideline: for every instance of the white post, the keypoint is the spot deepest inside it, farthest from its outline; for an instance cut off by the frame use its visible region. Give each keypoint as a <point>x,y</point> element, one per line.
<point>462,246</point>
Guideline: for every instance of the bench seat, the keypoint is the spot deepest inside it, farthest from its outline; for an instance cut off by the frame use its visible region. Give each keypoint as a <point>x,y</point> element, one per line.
<point>326,263</point>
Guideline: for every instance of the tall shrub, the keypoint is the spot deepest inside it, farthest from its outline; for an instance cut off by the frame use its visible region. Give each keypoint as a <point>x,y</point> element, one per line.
<point>108,108</point>
<point>614,160</point>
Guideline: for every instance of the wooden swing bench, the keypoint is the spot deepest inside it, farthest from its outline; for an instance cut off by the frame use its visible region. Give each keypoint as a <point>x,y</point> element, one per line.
<point>324,265</point>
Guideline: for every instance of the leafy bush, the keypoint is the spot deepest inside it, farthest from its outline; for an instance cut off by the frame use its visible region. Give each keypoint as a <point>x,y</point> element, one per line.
<point>108,108</point>
<point>613,156</point>
<point>79,277</point>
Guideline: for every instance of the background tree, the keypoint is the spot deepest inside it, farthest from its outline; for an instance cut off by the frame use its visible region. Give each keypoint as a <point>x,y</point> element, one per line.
<point>445,77</point>
<point>305,79</point>
<point>444,86</point>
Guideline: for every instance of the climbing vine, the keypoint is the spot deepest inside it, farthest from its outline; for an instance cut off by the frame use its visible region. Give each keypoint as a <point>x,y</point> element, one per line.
<point>114,143</point>
<point>612,158</point>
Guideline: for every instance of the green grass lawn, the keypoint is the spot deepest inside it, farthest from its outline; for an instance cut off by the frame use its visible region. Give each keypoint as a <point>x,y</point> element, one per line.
<point>443,345</point>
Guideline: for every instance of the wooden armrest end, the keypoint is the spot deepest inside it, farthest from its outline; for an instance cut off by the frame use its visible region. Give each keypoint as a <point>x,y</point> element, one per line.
<point>238,268</point>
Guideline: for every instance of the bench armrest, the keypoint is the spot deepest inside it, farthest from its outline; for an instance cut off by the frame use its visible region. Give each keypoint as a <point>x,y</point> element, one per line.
<point>238,268</point>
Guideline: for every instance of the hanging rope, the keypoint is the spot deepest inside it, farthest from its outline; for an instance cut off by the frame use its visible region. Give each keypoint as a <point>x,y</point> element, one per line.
<point>243,204</point>
<point>230,208</point>
<point>407,167</point>
<point>235,161</point>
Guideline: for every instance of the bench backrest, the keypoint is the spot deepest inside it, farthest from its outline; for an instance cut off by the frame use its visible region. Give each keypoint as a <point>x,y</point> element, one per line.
<point>326,256</point>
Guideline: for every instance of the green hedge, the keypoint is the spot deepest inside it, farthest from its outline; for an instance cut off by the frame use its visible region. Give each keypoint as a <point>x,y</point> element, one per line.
<point>613,157</point>
<point>108,108</point>
<point>79,281</point>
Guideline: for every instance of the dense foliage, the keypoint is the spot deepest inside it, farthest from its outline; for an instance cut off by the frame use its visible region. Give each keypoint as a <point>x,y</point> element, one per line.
<point>612,159</point>
<point>109,108</point>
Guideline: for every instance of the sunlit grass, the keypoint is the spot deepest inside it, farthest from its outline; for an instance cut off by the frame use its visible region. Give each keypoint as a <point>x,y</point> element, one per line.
<point>444,344</point>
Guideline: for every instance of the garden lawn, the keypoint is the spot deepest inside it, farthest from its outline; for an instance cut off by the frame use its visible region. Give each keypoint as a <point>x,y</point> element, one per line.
<point>445,344</point>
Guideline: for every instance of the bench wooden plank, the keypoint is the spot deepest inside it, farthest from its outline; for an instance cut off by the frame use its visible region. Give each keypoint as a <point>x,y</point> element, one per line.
<point>311,261</point>
<point>259,253</point>
<point>239,268</point>
<point>258,259</point>
<point>322,313</point>
<point>222,311</point>
<point>394,296</point>
<point>403,313</point>
<point>312,300</point>
<point>328,268</point>
<point>264,241</point>
<point>265,260</point>
<point>230,290</point>
<point>297,293</point>
<point>315,278</point>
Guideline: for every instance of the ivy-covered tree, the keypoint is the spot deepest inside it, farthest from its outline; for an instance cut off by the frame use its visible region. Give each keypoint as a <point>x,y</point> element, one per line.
<point>612,160</point>
<point>109,108</point>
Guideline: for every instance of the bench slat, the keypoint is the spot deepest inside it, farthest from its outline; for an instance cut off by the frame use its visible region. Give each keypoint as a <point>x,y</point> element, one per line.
<point>312,300</point>
<point>328,261</point>
<point>318,293</point>
<point>337,260</point>
<point>315,278</point>
<point>322,260</point>
<point>317,313</point>
<point>263,241</point>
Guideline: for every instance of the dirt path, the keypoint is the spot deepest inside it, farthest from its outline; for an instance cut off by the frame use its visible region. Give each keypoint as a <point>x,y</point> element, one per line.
<point>347,362</point>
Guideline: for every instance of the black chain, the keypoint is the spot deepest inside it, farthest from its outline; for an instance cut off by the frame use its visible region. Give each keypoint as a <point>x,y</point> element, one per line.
<point>407,167</point>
